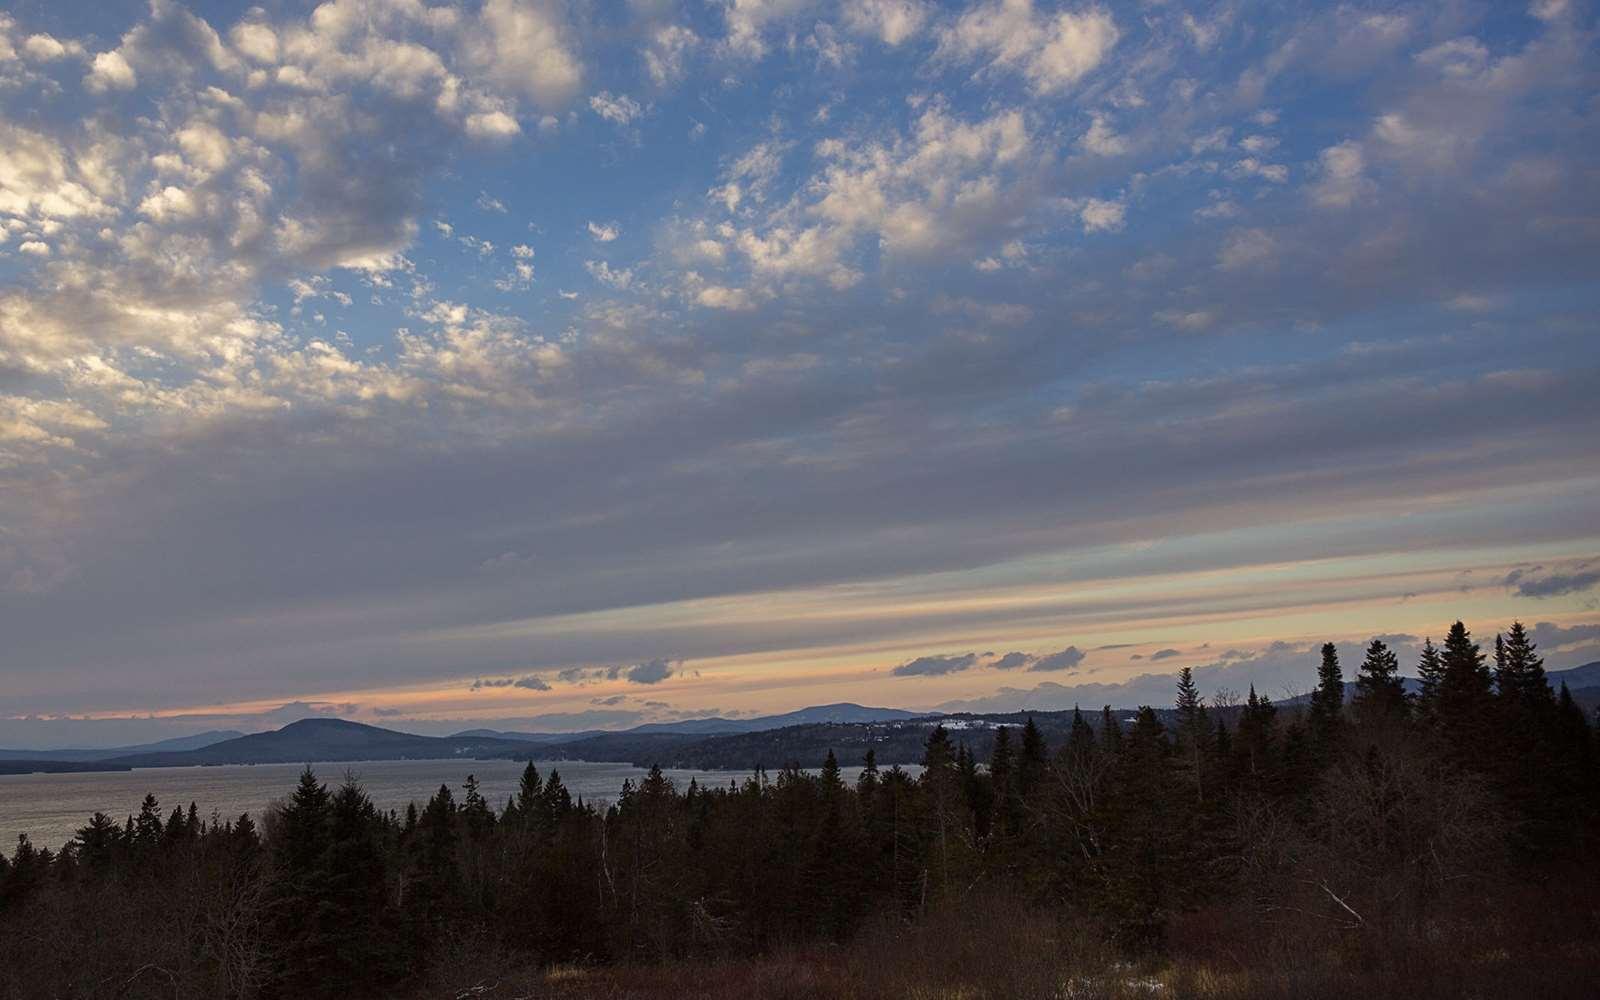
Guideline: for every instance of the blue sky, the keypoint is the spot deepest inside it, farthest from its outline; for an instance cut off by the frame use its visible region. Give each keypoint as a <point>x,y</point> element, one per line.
<point>372,356</point>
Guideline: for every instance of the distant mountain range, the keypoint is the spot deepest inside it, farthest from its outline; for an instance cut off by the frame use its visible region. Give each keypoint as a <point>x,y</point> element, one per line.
<point>106,753</point>
<point>312,740</point>
<point>895,735</point>
<point>715,725</point>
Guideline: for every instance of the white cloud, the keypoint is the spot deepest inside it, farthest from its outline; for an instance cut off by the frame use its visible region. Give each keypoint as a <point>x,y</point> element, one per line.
<point>1250,166</point>
<point>35,248</point>
<point>748,21</point>
<point>719,297</point>
<point>890,21</point>
<point>1247,248</point>
<point>1193,320</point>
<point>256,41</point>
<point>492,125</point>
<point>47,48</point>
<point>604,232</point>
<point>42,179</point>
<point>750,175</point>
<point>667,51</point>
<point>204,144</point>
<point>110,71</point>
<point>1100,216</point>
<point>619,109</point>
<point>170,204</point>
<point>948,183</point>
<point>1341,177</point>
<point>1052,51</point>
<point>526,46</point>
<point>601,271</point>
<point>1550,10</point>
<point>1102,140</point>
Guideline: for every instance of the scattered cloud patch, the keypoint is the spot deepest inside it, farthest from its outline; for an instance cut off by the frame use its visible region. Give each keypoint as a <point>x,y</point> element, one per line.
<point>650,672</point>
<point>935,666</point>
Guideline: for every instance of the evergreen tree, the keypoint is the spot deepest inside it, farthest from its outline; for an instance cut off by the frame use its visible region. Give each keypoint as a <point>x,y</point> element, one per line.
<point>1194,730</point>
<point>1520,676</point>
<point>98,842</point>
<point>832,783</point>
<point>305,941</point>
<point>147,828</point>
<point>1256,731</point>
<point>1465,702</point>
<point>475,812</point>
<point>1380,691</point>
<point>557,800</point>
<point>1110,732</point>
<point>358,941</point>
<point>303,826</point>
<point>177,829</point>
<point>1191,709</point>
<point>938,754</point>
<point>1002,762</point>
<point>941,781</point>
<point>867,782</point>
<point>1080,738</point>
<point>1503,685</point>
<point>1430,675</point>
<point>1327,700</point>
<point>530,795</point>
<point>244,842</point>
<point>1035,758</point>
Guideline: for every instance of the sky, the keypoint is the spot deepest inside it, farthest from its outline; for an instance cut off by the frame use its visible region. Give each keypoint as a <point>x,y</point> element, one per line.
<point>552,365</point>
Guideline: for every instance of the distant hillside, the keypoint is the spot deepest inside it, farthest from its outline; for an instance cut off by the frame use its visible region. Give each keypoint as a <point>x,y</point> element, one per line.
<point>15,766</point>
<point>501,734</point>
<point>106,753</point>
<point>1586,676</point>
<point>893,741</point>
<point>715,725</point>
<point>313,740</point>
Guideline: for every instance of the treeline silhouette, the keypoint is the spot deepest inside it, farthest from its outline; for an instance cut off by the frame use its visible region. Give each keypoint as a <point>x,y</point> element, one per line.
<point>1378,836</point>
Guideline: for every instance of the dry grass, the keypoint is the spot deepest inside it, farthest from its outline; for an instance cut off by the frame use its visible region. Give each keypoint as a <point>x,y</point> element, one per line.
<point>1520,945</point>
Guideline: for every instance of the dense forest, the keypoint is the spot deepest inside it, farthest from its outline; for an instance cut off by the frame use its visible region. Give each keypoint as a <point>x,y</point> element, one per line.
<point>1442,844</point>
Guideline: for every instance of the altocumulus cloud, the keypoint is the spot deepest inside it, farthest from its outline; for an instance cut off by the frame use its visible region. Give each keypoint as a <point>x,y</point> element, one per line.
<point>650,672</point>
<point>531,682</point>
<point>1065,659</point>
<point>934,666</point>
<point>1537,582</point>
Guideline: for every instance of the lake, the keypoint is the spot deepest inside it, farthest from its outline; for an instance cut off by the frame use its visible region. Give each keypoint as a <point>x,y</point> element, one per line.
<point>50,808</point>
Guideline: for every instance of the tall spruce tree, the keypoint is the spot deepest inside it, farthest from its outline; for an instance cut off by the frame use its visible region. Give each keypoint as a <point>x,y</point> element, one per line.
<point>1430,675</point>
<point>1520,676</point>
<point>1080,738</point>
<point>1327,700</point>
<point>1033,761</point>
<point>1194,730</point>
<point>1380,691</point>
<point>1256,731</point>
<point>304,934</point>
<point>1464,712</point>
<point>1110,732</point>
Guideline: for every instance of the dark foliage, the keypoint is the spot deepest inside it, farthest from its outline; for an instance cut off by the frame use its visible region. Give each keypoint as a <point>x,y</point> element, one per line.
<point>1361,829</point>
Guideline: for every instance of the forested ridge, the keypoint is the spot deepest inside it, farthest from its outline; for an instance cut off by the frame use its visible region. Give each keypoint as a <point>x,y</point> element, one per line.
<point>1442,843</point>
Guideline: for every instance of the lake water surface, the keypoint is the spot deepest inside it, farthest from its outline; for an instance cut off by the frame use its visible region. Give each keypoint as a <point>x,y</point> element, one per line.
<point>50,808</point>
